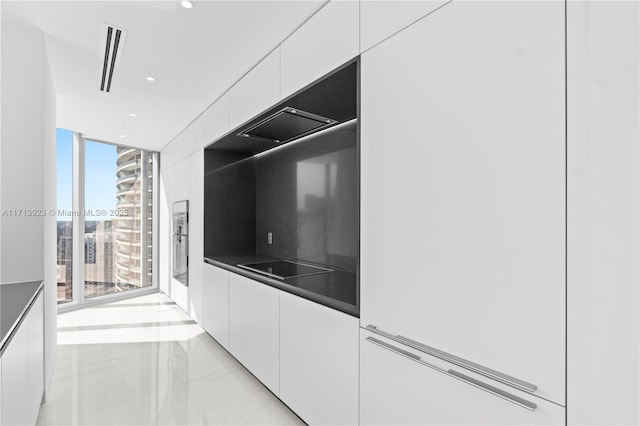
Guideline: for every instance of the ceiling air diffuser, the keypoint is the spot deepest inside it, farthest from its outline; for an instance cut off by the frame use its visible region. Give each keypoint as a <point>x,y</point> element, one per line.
<point>112,39</point>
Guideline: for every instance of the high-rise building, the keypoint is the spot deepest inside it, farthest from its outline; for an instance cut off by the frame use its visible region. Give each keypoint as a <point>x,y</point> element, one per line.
<point>65,256</point>
<point>133,225</point>
<point>89,248</point>
<point>99,254</point>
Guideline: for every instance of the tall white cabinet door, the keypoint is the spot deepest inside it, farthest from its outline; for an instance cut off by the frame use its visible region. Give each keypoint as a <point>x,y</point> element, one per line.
<point>318,362</point>
<point>257,90</point>
<point>196,234</point>
<point>398,389</point>
<point>463,187</point>
<point>380,19</point>
<point>328,39</point>
<point>254,328</point>
<point>216,303</point>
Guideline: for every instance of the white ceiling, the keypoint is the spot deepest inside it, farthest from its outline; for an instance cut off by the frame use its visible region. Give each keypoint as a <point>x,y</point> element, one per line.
<point>195,56</point>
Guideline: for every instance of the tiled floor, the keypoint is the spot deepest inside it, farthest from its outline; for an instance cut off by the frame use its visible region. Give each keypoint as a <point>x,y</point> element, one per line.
<point>143,361</point>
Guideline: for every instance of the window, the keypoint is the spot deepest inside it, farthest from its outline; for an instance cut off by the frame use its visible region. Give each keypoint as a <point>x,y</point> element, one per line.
<point>64,165</point>
<point>114,219</point>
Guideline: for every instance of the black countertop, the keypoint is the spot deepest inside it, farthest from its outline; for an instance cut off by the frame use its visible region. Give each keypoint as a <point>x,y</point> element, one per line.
<point>335,289</point>
<point>15,301</point>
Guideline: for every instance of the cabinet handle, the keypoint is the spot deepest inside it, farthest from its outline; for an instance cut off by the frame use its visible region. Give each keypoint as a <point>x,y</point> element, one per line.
<point>514,399</point>
<point>461,362</point>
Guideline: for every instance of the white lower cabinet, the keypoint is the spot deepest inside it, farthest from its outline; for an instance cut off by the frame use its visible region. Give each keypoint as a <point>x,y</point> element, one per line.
<point>35,357</point>
<point>254,329</point>
<point>396,388</point>
<point>14,380</point>
<point>216,303</point>
<point>21,366</point>
<point>318,361</point>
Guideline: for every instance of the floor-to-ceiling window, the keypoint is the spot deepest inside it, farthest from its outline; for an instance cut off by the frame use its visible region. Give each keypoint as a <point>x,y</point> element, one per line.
<point>112,219</point>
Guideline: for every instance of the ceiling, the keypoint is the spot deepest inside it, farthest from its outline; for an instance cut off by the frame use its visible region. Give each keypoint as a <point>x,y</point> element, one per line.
<point>195,55</point>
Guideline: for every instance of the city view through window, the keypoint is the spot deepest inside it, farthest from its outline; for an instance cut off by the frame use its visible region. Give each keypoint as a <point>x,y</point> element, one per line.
<point>118,219</point>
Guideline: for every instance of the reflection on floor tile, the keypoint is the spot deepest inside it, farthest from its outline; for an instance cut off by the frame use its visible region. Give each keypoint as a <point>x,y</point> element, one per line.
<point>142,361</point>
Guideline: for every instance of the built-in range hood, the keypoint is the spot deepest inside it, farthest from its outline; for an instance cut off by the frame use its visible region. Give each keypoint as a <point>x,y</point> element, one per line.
<point>327,102</point>
<point>286,125</point>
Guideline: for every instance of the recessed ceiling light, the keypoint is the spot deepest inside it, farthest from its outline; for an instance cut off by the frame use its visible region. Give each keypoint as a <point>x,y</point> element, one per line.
<point>151,79</point>
<point>122,136</point>
<point>187,4</point>
<point>132,115</point>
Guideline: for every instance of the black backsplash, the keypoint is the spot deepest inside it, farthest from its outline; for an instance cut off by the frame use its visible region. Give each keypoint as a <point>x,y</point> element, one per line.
<point>307,197</point>
<point>305,194</point>
<point>229,206</point>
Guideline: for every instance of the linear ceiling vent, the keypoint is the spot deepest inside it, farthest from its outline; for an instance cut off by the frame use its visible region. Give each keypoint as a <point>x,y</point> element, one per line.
<point>112,40</point>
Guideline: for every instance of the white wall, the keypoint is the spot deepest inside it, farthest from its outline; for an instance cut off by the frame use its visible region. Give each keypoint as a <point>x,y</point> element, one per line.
<point>50,227</point>
<point>28,163</point>
<point>603,134</point>
<point>22,155</point>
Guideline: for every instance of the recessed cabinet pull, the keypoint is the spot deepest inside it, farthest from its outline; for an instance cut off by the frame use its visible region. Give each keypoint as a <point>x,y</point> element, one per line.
<point>514,399</point>
<point>494,390</point>
<point>477,368</point>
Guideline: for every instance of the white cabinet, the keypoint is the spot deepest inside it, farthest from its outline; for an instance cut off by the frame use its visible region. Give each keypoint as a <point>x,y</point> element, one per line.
<point>328,39</point>
<point>463,187</point>
<point>15,401</point>
<point>175,182</point>
<point>398,389</point>
<point>380,19</point>
<point>21,366</point>
<point>216,303</point>
<point>196,234</point>
<point>35,356</point>
<point>214,122</point>
<point>254,329</point>
<point>257,90</point>
<point>318,361</point>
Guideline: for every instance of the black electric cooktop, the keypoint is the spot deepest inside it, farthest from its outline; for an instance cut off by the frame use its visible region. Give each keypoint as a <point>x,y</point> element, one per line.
<point>283,269</point>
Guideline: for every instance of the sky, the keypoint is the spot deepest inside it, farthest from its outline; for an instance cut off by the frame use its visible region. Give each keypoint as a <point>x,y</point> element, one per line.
<point>100,175</point>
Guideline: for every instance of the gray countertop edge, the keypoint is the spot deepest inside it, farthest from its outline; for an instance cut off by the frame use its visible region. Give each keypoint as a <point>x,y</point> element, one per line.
<point>14,327</point>
<point>305,294</point>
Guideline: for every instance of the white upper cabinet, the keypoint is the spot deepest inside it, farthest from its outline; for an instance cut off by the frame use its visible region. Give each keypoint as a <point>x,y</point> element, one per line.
<point>380,19</point>
<point>318,361</point>
<point>214,122</point>
<point>463,187</point>
<point>254,328</point>
<point>216,303</point>
<point>327,40</point>
<point>256,91</point>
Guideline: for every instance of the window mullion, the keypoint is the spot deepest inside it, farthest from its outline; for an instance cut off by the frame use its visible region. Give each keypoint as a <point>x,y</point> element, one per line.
<point>78,218</point>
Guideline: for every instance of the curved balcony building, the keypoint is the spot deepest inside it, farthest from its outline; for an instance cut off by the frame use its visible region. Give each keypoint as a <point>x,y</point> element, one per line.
<point>132,226</point>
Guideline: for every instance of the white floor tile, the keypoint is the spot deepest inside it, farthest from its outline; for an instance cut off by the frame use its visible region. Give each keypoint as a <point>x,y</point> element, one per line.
<point>143,361</point>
